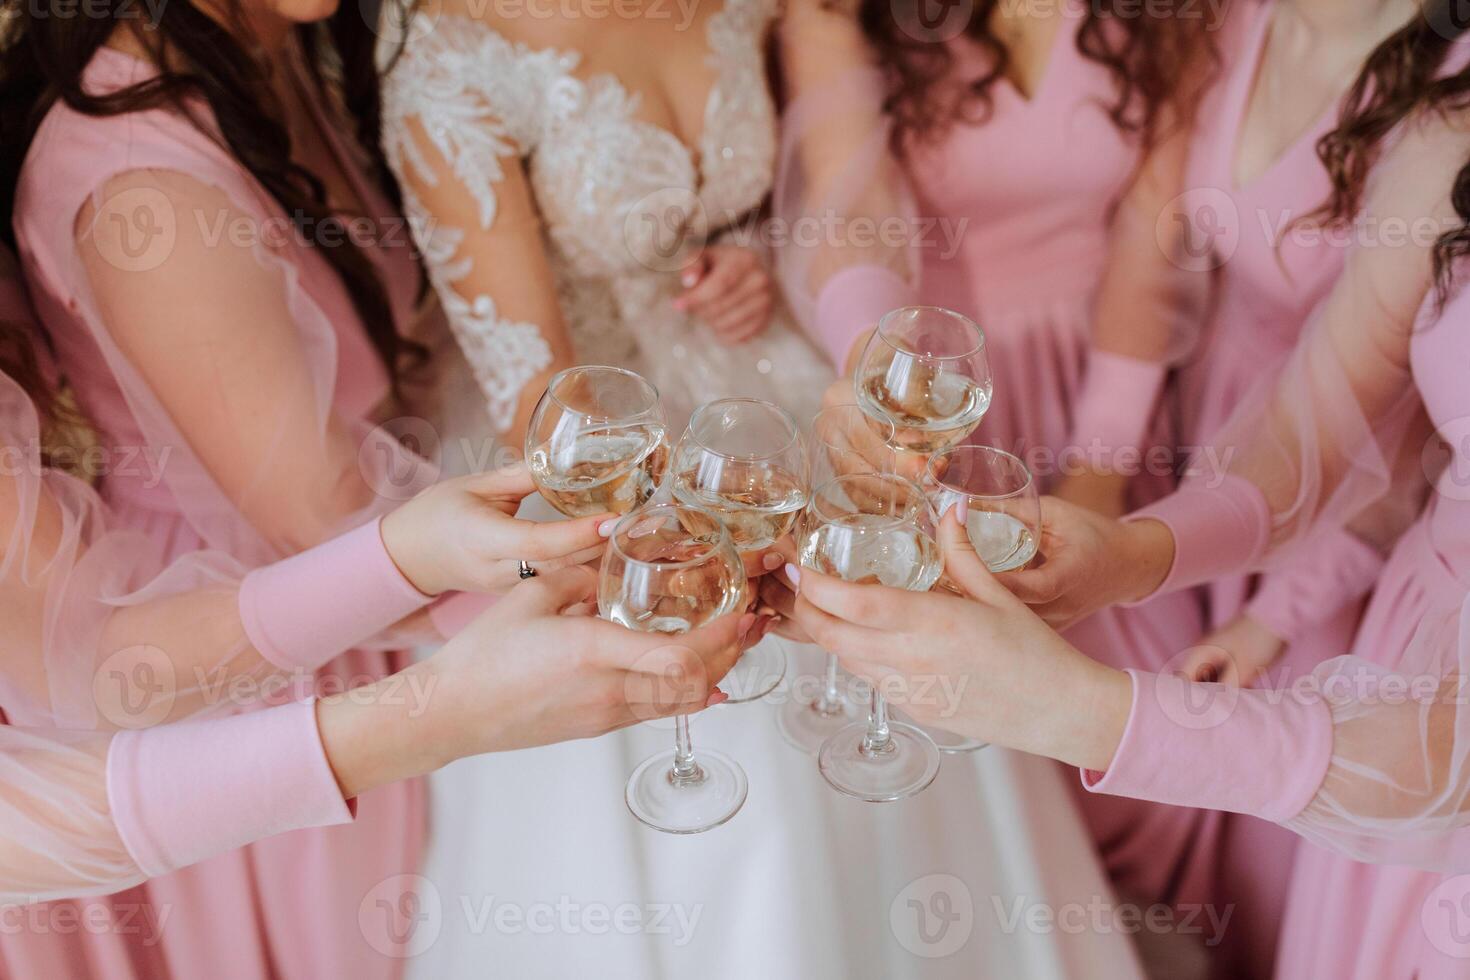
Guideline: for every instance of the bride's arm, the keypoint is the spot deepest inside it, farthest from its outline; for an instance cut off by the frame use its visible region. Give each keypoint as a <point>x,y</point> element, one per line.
<point>475,219</point>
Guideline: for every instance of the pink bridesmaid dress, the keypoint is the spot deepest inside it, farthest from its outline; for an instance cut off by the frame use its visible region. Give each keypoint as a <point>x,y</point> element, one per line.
<point>288,906</point>
<point>1036,183</point>
<point>1292,760</point>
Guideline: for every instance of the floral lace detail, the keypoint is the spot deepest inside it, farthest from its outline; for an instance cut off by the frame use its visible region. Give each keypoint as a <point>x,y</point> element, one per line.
<point>621,199</point>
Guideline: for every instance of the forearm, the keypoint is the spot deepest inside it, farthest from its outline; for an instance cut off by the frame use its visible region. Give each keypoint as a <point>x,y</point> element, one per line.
<point>384,732</point>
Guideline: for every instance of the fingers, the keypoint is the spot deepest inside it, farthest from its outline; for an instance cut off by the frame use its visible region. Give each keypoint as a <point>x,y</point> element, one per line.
<point>961,562</point>
<point>763,562</point>
<point>551,540</point>
<point>556,591</point>
<point>833,634</point>
<point>743,323</point>
<point>1033,586</point>
<point>723,271</point>
<point>876,607</point>
<point>507,481</point>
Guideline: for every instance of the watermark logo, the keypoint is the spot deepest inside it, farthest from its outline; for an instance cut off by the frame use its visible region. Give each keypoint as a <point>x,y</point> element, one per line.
<point>136,229</point>
<point>400,457</point>
<point>1201,706</point>
<point>1445,917</point>
<point>135,687</point>
<point>933,916</point>
<point>401,916</point>
<point>665,230</point>
<point>1199,230</point>
<point>932,21</point>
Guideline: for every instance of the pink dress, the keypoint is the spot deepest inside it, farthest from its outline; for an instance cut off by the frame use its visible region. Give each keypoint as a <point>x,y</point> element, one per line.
<point>290,905</point>
<point>1027,270</point>
<point>1370,759</point>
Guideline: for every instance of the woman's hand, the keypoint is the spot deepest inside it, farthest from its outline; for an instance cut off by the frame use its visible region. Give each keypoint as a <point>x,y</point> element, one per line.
<point>1090,561</point>
<point>1101,493</point>
<point>731,290</point>
<point>463,534</point>
<point>1235,654</point>
<point>981,665</point>
<point>533,670</point>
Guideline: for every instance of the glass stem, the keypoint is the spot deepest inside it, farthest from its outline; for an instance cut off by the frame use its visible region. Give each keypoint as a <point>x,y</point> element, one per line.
<point>877,738</point>
<point>684,766</point>
<point>830,700</point>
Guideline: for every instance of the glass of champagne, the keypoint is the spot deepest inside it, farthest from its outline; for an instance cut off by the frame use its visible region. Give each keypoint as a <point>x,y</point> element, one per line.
<point>596,443</point>
<point>744,461</point>
<point>1003,521</point>
<point>874,528</point>
<point>845,441</point>
<point>926,371</point>
<point>671,569</point>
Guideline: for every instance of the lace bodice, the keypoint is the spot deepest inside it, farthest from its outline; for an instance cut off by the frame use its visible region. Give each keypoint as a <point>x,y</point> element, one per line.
<point>623,200</point>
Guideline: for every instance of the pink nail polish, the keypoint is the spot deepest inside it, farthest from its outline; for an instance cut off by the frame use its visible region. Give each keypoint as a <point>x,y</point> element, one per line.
<point>794,574</point>
<point>962,510</point>
<point>605,529</point>
<point>771,561</point>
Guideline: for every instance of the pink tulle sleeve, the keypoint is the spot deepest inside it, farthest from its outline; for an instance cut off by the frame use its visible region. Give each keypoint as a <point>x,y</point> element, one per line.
<point>1320,442</point>
<point>1371,755</point>
<point>838,183</point>
<point>86,813</point>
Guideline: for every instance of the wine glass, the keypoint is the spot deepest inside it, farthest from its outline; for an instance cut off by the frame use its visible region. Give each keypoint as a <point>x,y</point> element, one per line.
<point>845,441</point>
<point>744,461</point>
<point>1003,521</point>
<point>596,443</point>
<point>874,528</point>
<point>925,370</point>
<point>671,569</point>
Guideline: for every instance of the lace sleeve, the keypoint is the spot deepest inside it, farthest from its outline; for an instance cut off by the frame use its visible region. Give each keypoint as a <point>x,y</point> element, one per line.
<point>460,107</point>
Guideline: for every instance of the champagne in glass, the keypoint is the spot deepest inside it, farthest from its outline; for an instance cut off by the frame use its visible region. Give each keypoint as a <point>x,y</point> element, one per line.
<point>1003,520</point>
<point>671,569</point>
<point>875,529</point>
<point>925,370</point>
<point>845,441</point>
<point>596,443</point>
<point>744,460</point>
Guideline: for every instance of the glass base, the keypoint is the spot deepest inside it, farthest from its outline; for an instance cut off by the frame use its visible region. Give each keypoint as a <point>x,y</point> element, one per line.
<point>806,726</point>
<point>952,744</point>
<point>904,767</point>
<point>686,806</point>
<point>757,673</point>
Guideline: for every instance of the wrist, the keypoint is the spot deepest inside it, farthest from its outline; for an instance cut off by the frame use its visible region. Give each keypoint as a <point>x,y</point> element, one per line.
<point>381,733</point>
<point>1096,710</point>
<point>1147,550</point>
<point>403,543</point>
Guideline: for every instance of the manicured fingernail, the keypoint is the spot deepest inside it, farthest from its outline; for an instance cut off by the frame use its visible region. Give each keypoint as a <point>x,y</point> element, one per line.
<point>716,697</point>
<point>962,510</point>
<point>605,529</point>
<point>795,575</point>
<point>771,560</point>
<point>689,278</point>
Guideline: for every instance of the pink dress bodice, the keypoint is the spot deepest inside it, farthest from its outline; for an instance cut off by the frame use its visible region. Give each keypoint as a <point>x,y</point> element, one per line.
<point>1029,189</point>
<point>286,906</point>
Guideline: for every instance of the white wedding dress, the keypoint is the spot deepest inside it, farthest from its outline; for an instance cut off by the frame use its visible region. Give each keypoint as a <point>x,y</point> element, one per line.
<point>538,868</point>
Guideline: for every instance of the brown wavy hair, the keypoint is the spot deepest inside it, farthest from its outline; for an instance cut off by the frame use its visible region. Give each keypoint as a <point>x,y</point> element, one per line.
<point>1403,77</point>
<point>1158,62</point>
<point>204,59</point>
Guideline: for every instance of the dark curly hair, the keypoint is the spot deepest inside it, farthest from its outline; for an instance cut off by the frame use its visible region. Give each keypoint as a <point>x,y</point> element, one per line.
<point>44,58</point>
<point>1158,60</point>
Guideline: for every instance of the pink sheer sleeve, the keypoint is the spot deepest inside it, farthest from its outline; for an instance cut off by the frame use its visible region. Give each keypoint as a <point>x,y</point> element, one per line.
<point>838,184</point>
<point>86,813</point>
<point>1320,441</point>
<point>1371,755</point>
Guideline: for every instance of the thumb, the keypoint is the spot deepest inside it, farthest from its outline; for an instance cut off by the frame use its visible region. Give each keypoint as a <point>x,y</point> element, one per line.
<point>511,481</point>
<point>554,592</point>
<point>961,562</point>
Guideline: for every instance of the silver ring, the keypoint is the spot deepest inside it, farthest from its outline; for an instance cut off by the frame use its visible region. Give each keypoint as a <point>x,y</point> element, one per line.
<point>526,571</point>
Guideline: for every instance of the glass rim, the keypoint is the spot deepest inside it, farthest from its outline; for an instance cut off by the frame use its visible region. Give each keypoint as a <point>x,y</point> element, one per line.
<point>561,375</point>
<point>786,418</point>
<point>882,334</point>
<point>920,501</point>
<point>650,510</point>
<point>940,484</point>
